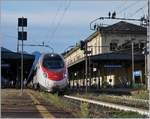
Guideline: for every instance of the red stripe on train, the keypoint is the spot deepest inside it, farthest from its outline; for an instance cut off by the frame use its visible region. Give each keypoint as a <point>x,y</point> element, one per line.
<point>54,75</point>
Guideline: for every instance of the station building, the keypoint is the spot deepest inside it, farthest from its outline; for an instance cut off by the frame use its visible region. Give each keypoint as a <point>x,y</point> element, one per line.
<point>110,59</point>
<point>11,67</point>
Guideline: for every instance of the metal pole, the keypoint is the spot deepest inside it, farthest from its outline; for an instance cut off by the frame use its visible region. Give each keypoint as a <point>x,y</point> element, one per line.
<point>145,53</point>
<point>86,67</point>
<point>22,69</point>
<point>89,72</point>
<point>148,49</point>
<point>148,46</point>
<point>17,62</point>
<point>133,81</point>
<point>22,62</point>
<point>18,43</point>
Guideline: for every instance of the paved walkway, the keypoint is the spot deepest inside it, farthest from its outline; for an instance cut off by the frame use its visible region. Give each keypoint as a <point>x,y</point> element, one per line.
<point>27,105</point>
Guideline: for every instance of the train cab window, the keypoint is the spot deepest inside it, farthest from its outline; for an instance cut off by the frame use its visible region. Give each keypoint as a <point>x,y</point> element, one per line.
<point>53,62</point>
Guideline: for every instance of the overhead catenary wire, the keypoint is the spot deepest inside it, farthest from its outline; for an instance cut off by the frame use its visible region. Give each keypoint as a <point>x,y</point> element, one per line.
<point>60,20</point>
<point>120,5</point>
<point>138,10</point>
<point>129,6</point>
<point>55,17</point>
<point>120,9</point>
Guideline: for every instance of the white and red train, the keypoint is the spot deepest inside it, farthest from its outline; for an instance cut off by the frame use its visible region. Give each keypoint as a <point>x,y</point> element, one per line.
<point>49,72</point>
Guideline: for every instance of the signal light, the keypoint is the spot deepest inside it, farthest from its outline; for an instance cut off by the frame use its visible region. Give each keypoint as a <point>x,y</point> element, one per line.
<point>82,45</point>
<point>22,22</point>
<point>22,35</point>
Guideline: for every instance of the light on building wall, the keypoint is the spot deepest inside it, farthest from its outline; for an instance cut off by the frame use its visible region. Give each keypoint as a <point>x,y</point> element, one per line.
<point>94,69</point>
<point>75,74</point>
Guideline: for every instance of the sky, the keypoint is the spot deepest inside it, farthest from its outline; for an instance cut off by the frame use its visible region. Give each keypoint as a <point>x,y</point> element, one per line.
<point>60,23</point>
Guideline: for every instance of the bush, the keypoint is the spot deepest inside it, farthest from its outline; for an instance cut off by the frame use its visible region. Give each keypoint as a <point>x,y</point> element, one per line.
<point>106,84</point>
<point>141,94</point>
<point>138,86</point>
<point>127,114</point>
<point>59,103</point>
<point>84,110</point>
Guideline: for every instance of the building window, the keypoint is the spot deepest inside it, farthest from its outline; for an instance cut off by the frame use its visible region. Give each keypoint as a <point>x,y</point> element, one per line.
<point>141,45</point>
<point>113,46</point>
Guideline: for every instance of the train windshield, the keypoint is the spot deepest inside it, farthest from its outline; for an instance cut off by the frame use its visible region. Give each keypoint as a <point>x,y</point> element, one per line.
<point>53,62</point>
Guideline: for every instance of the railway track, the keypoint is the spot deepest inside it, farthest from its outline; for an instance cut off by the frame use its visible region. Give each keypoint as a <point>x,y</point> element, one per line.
<point>78,106</point>
<point>107,105</point>
<point>136,103</point>
<point>62,106</point>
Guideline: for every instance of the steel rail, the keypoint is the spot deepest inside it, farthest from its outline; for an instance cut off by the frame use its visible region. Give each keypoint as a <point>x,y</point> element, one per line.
<point>110,105</point>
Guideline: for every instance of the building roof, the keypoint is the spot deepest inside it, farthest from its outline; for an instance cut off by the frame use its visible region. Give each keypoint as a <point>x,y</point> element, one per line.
<point>11,62</point>
<point>65,54</point>
<point>8,54</point>
<point>109,57</point>
<point>121,27</point>
<point>124,27</point>
<point>5,50</point>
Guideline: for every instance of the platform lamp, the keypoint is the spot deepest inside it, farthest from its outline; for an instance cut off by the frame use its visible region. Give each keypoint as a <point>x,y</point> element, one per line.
<point>22,36</point>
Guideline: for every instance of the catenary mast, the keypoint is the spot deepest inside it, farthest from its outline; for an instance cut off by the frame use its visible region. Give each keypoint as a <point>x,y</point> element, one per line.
<point>148,44</point>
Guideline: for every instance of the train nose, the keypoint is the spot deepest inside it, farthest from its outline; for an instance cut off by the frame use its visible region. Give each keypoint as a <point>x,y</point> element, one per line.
<point>55,75</point>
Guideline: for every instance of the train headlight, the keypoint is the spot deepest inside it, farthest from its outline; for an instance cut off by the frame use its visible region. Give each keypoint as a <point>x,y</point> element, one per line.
<point>45,75</point>
<point>65,75</point>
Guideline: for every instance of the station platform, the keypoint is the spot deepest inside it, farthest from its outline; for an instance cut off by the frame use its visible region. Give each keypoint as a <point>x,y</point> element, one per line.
<point>27,105</point>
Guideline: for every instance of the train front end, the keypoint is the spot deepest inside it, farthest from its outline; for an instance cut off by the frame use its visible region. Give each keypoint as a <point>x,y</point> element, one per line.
<point>54,75</point>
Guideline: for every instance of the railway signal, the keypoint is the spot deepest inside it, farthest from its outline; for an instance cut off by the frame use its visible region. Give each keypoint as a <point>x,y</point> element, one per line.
<point>22,35</point>
<point>22,22</point>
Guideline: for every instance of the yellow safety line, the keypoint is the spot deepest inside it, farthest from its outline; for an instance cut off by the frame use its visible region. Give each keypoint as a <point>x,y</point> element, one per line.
<point>43,111</point>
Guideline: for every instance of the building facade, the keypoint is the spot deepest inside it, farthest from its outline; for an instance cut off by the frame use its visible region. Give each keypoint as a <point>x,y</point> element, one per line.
<point>108,64</point>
